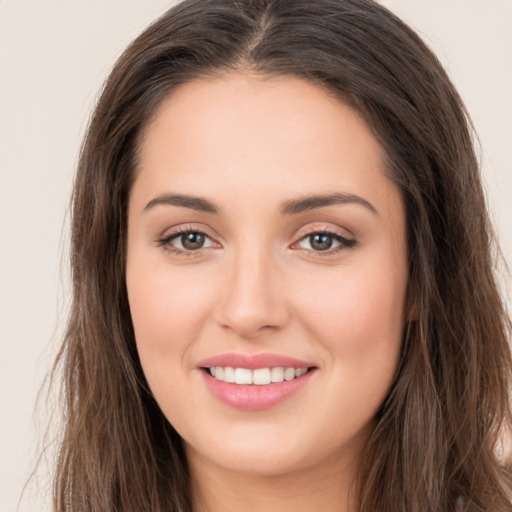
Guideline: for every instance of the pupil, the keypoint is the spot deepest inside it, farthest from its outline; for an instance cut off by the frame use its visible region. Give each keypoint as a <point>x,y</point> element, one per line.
<point>192,240</point>
<point>320,242</point>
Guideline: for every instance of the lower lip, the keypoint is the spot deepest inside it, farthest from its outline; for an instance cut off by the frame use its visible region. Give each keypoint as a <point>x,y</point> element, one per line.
<point>254,397</point>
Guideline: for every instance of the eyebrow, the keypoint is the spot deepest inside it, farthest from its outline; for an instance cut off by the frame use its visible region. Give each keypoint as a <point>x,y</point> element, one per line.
<point>303,204</point>
<point>193,202</point>
<point>291,207</point>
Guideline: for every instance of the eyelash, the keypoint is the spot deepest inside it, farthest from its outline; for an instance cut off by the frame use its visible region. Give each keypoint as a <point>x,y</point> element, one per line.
<point>345,243</point>
<point>165,241</point>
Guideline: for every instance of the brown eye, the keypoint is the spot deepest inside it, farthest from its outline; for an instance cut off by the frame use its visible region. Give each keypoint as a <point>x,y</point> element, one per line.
<point>192,240</point>
<point>186,242</point>
<point>320,241</point>
<point>325,242</point>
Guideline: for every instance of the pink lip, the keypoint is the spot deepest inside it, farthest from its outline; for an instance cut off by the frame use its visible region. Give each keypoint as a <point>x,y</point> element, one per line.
<point>253,362</point>
<point>255,397</point>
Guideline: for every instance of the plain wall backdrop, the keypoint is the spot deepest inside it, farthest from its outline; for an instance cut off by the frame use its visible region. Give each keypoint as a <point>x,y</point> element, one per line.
<point>54,56</point>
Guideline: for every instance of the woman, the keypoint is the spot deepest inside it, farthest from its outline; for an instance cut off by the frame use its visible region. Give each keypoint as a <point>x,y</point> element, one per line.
<point>283,287</point>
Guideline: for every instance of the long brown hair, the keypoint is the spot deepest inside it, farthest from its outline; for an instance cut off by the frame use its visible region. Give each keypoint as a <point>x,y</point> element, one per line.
<point>436,443</point>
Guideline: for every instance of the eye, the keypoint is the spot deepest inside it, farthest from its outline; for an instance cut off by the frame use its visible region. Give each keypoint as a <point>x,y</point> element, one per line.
<point>186,241</point>
<point>325,241</point>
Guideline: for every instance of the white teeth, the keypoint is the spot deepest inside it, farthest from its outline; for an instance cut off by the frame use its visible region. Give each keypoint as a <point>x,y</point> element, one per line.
<point>259,377</point>
<point>299,372</point>
<point>289,374</point>
<point>229,374</point>
<point>277,374</point>
<point>242,376</point>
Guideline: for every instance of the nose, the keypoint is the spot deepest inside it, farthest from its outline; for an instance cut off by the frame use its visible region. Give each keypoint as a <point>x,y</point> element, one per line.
<point>254,301</point>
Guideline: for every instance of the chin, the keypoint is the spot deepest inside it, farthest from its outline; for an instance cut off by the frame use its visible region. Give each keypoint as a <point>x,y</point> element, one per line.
<point>266,453</point>
<point>254,461</point>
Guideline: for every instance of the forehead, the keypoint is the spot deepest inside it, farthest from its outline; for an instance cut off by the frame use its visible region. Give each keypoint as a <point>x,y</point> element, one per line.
<point>237,107</point>
<point>261,135</point>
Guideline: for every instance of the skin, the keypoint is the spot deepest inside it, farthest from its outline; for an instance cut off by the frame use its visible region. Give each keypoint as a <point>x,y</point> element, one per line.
<point>248,144</point>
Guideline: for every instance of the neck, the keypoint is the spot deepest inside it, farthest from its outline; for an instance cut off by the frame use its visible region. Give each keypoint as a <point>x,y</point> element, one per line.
<point>326,487</point>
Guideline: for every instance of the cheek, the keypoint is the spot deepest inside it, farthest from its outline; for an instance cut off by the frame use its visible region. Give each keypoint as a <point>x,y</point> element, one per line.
<point>358,317</point>
<point>167,308</point>
<point>357,313</point>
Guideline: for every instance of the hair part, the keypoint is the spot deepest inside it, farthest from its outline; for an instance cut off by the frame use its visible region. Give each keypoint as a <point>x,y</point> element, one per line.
<point>435,443</point>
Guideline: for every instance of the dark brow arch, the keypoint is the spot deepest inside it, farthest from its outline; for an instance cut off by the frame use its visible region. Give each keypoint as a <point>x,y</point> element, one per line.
<point>187,201</point>
<point>303,204</point>
<point>291,207</point>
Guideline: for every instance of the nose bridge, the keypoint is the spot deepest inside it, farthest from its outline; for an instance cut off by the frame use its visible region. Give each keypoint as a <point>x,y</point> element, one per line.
<point>253,299</point>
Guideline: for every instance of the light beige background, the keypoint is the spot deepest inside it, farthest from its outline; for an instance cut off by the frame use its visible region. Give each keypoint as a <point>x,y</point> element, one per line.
<point>54,55</point>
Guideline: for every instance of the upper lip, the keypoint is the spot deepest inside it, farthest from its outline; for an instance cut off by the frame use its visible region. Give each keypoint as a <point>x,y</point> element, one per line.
<point>253,362</point>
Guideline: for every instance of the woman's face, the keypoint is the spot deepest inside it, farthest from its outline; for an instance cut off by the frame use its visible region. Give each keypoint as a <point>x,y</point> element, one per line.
<point>265,241</point>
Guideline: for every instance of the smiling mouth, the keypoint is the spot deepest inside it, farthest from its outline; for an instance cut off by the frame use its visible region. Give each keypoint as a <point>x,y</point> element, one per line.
<point>258,376</point>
